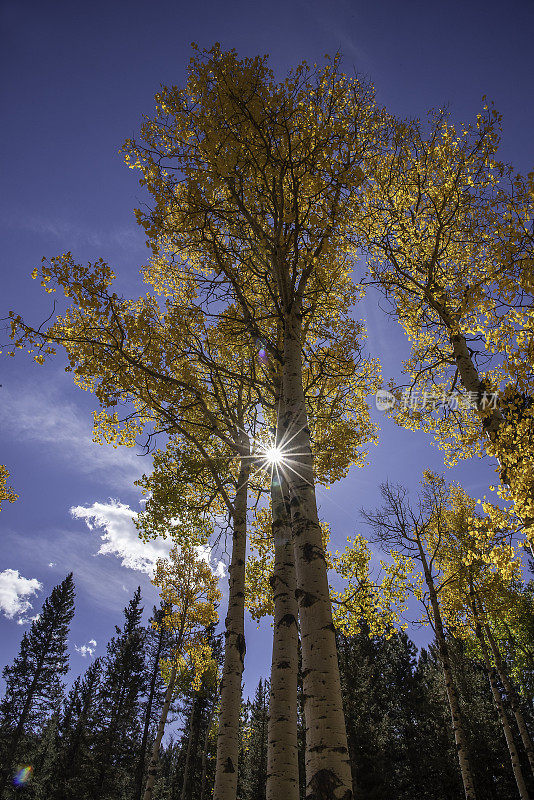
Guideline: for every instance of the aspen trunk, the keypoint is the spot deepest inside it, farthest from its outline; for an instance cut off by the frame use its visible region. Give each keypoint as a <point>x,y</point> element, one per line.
<point>513,697</point>
<point>472,382</point>
<point>234,653</point>
<point>328,773</point>
<point>282,749</point>
<point>503,716</point>
<point>154,759</point>
<point>450,686</point>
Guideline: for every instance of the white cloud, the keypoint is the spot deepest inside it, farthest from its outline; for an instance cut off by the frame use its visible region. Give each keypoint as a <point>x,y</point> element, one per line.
<point>206,554</point>
<point>52,564</point>
<point>41,416</point>
<point>86,649</point>
<point>14,589</point>
<point>120,537</point>
<point>27,620</point>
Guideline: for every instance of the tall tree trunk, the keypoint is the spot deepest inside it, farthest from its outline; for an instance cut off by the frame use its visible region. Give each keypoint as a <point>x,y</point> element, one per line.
<point>503,716</point>
<point>148,714</point>
<point>450,686</point>
<point>234,651</point>
<point>513,696</point>
<point>328,773</point>
<point>282,749</point>
<point>154,760</point>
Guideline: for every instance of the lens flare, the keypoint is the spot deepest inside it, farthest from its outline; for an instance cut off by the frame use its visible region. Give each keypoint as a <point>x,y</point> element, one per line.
<point>274,455</point>
<point>23,776</point>
<point>263,357</point>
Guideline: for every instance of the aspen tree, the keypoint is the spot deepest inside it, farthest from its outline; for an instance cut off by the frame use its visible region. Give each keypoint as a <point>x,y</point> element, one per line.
<point>248,227</point>
<point>406,529</point>
<point>189,595</point>
<point>512,694</point>
<point>447,227</point>
<point>179,377</point>
<point>503,716</point>
<point>249,180</point>
<point>479,566</point>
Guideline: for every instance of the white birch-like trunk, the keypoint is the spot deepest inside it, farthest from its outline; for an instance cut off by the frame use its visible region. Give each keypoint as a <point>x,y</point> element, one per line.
<point>154,759</point>
<point>282,747</point>
<point>514,698</point>
<point>450,686</point>
<point>503,716</point>
<point>234,652</point>
<point>328,773</point>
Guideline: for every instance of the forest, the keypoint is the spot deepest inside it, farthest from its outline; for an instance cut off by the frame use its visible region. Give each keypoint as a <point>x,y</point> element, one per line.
<point>270,207</point>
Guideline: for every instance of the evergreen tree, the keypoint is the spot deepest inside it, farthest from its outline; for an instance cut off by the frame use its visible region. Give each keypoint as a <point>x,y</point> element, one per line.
<point>78,770</point>
<point>255,761</point>
<point>380,696</point>
<point>157,646</point>
<point>34,685</point>
<point>46,762</point>
<point>117,740</point>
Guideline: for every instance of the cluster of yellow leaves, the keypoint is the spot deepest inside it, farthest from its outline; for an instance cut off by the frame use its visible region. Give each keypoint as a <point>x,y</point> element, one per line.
<point>6,492</point>
<point>476,558</point>
<point>379,603</point>
<point>189,595</point>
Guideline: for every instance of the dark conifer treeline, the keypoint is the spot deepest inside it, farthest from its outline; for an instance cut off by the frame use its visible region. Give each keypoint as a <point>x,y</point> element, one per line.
<point>94,740</point>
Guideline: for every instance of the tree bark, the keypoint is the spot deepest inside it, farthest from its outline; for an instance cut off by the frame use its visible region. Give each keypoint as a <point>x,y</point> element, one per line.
<point>503,716</point>
<point>282,748</point>
<point>153,766</point>
<point>328,773</point>
<point>234,652</point>
<point>513,696</point>
<point>450,686</point>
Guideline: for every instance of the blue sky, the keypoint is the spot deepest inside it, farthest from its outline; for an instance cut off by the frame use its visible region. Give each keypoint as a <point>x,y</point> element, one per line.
<point>76,80</point>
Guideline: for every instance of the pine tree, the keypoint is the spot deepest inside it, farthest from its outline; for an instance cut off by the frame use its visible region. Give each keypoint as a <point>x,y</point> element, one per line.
<point>255,766</point>
<point>78,770</point>
<point>157,647</point>
<point>118,737</point>
<point>33,682</point>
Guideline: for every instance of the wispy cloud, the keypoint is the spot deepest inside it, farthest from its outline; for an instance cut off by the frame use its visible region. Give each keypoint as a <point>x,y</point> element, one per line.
<point>72,234</point>
<point>15,590</point>
<point>86,649</point>
<point>41,416</point>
